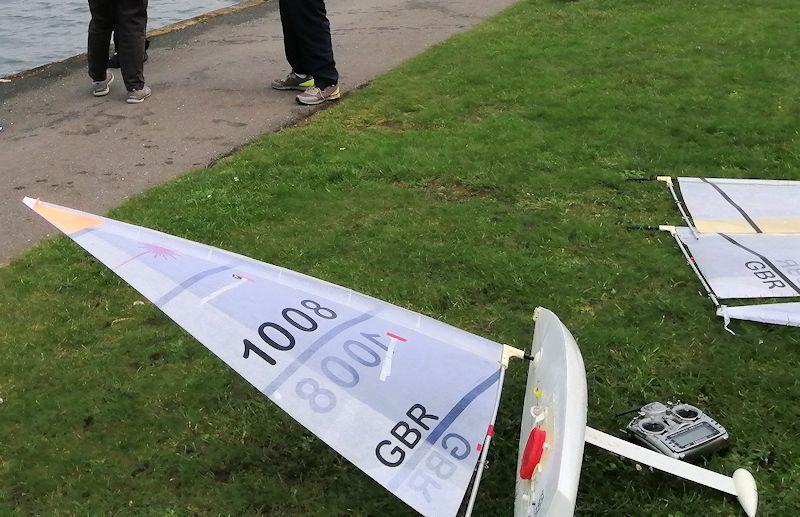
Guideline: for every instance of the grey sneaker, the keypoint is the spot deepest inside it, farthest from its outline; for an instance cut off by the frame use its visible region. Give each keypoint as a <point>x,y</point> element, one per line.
<point>316,96</point>
<point>101,88</point>
<point>137,96</point>
<point>293,82</point>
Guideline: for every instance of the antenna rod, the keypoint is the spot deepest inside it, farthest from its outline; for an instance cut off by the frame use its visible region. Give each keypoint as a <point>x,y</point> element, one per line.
<point>644,227</point>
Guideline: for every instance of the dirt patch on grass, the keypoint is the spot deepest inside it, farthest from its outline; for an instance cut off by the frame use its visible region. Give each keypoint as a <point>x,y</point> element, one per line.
<point>360,121</point>
<point>449,191</point>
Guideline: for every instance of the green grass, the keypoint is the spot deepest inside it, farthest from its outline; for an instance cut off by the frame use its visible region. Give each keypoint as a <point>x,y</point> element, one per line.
<point>475,182</point>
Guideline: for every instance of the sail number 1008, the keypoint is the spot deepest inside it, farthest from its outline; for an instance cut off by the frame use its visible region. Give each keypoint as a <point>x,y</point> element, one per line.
<point>285,341</point>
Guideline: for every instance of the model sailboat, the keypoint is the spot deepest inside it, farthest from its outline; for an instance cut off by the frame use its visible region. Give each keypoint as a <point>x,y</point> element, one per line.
<point>742,239</point>
<point>409,400</point>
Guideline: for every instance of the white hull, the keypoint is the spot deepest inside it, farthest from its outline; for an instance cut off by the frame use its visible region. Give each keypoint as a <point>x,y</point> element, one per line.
<point>555,402</point>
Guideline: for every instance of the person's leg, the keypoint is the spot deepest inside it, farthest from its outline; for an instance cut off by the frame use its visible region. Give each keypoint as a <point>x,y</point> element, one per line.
<point>298,78</point>
<point>313,32</point>
<point>131,28</point>
<point>100,29</point>
<point>291,45</point>
<point>113,61</point>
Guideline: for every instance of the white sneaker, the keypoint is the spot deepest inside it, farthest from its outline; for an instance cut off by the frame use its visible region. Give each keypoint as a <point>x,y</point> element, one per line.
<point>314,95</point>
<point>101,88</point>
<point>137,96</point>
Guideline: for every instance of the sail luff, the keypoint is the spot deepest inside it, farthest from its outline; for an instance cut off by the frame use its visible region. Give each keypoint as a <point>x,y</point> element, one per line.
<point>486,443</point>
<point>690,260</point>
<point>678,202</point>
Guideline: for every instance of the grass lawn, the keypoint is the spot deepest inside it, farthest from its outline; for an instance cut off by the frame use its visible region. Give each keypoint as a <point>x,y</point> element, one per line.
<point>475,182</point>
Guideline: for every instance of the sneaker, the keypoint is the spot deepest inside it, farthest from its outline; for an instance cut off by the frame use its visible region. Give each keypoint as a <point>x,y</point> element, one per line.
<point>293,82</point>
<point>316,96</point>
<point>101,88</point>
<point>137,96</point>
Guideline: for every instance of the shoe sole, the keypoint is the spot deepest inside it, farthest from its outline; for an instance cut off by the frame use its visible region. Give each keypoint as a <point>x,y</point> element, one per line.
<point>299,87</point>
<point>138,101</point>
<point>318,101</point>
<point>103,93</point>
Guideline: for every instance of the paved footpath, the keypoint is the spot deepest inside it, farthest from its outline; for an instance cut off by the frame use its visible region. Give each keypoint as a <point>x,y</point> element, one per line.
<point>211,95</point>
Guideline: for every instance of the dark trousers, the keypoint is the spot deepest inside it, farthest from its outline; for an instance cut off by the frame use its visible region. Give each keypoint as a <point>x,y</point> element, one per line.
<point>128,20</point>
<point>307,40</point>
<point>146,44</point>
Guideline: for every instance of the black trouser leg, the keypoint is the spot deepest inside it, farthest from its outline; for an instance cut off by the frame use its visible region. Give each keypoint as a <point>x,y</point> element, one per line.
<point>100,29</point>
<point>312,32</point>
<point>146,44</point>
<point>130,29</point>
<point>291,44</point>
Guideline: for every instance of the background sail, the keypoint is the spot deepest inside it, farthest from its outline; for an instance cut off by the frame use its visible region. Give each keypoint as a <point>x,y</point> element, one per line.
<point>721,205</point>
<point>747,266</point>
<point>405,398</point>
<point>776,313</point>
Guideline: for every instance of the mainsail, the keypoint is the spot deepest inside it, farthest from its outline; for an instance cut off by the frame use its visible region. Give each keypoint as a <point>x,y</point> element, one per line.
<point>726,205</point>
<point>407,399</point>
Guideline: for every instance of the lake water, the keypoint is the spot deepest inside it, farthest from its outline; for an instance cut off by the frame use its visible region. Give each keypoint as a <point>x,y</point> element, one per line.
<point>37,32</point>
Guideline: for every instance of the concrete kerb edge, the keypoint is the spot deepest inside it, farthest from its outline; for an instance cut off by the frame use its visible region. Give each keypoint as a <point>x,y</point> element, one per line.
<point>205,17</point>
<point>294,121</point>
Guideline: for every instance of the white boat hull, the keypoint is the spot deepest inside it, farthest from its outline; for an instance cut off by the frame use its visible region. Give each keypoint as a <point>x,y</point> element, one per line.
<point>555,403</point>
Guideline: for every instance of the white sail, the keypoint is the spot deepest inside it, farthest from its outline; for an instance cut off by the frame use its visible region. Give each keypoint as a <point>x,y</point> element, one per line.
<point>776,313</point>
<point>724,205</point>
<point>746,265</point>
<point>407,399</point>
<point>554,412</point>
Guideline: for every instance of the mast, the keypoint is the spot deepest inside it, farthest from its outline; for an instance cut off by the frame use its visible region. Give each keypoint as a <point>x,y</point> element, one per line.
<point>681,207</point>
<point>690,261</point>
<point>508,353</point>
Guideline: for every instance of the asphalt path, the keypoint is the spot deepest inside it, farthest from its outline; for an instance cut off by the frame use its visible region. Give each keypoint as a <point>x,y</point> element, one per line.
<point>211,96</point>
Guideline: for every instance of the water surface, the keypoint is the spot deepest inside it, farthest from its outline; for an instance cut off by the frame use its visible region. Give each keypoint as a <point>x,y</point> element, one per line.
<point>37,32</point>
